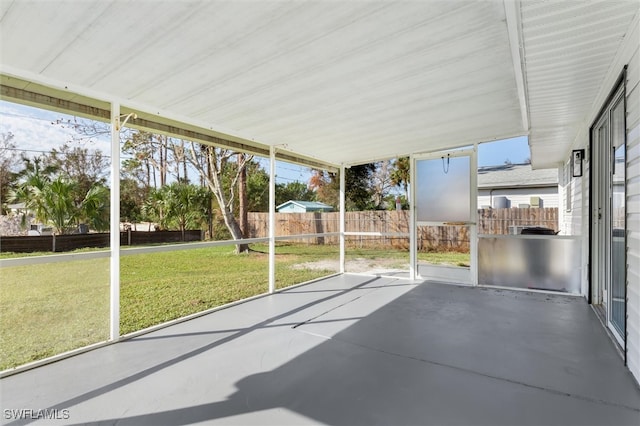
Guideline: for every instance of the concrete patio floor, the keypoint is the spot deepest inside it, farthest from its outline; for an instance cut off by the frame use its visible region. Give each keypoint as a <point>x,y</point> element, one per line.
<point>350,350</point>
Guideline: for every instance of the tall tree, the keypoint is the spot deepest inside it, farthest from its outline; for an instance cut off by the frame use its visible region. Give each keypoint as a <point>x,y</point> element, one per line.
<point>294,191</point>
<point>213,165</point>
<point>381,184</point>
<point>132,198</point>
<point>358,190</point>
<point>400,174</point>
<point>84,167</point>
<point>52,199</point>
<point>145,150</point>
<point>178,205</point>
<point>9,160</point>
<point>257,188</point>
<point>242,195</point>
<point>33,180</point>
<point>148,158</point>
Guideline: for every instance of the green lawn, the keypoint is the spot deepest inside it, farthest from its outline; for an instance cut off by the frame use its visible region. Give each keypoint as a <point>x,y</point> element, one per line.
<point>51,308</point>
<point>55,307</point>
<point>445,258</point>
<point>159,287</point>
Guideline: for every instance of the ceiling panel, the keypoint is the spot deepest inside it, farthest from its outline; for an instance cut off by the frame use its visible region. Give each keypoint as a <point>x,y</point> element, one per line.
<point>344,82</point>
<point>569,47</point>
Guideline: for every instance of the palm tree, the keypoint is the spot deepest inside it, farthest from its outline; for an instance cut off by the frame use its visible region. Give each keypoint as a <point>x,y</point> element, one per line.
<point>53,201</point>
<point>155,206</point>
<point>59,208</point>
<point>94,209</point>
<point>400,176</point>
<point>34,180</point>
<point>179,205</point>
<point>187,205</point>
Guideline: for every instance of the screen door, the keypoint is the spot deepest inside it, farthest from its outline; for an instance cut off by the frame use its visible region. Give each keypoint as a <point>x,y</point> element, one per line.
<point>445,212</point>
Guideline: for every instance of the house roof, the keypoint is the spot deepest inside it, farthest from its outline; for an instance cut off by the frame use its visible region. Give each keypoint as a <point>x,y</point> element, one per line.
<point>337,82</point>
<point>516,175</point>
<point>306,204</point>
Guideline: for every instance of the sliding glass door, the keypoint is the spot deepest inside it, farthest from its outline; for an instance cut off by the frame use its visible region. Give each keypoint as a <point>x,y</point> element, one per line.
<point>608,199</point>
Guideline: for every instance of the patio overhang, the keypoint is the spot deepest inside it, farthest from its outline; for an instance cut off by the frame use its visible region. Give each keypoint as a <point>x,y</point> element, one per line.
<point>337,83</point>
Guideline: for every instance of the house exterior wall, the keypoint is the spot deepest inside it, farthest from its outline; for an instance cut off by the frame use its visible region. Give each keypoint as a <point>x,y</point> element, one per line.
<point>574,192</point>
<point>633,210</point>
<point>517,196</point>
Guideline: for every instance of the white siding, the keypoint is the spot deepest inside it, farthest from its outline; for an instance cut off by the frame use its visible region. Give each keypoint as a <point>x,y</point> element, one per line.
<point>570,219</point>
<point>633,213</point>
<point>576,221</point>
<point>517,196</point>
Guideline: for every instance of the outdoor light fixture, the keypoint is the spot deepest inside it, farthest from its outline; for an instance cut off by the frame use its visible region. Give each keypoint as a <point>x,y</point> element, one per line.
<point>577,159</point>
<point>120,125</point>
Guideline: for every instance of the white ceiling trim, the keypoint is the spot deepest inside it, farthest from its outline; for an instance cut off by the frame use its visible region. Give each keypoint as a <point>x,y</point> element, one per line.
<point>514,26</point>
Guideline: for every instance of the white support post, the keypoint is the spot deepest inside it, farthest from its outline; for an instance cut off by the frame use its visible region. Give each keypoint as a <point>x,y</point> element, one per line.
<point>272,220</point>
<point>342,218</point>
<point>412,220</point>
<point>473,234</point>
<point>115,224</point>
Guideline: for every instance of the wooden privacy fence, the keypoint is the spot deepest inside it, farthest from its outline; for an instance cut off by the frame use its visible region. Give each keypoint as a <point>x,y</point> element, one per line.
<point>62,243</point>
<point>510,221</point>
<point>394,227</point>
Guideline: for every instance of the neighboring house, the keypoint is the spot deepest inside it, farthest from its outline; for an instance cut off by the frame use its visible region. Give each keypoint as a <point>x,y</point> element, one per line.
<point>293,206</point>
<point>517,185</point>
<point>18,208</point>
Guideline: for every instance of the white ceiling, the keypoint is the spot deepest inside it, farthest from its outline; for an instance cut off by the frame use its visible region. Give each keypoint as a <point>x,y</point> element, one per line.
<point>343,82</point>
<point>569,49</point>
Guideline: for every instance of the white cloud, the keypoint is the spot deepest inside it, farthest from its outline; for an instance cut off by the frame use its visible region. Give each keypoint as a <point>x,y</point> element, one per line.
<point>35,129</point>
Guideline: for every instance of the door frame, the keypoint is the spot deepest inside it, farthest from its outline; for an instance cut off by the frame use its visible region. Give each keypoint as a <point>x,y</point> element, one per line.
<point>596,228</point>
<point>472,153</point>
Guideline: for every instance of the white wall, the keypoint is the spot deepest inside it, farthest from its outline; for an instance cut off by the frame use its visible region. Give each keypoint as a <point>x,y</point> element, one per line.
<point>633,210</point>
<point>519,196</point>
<point>576,221</point>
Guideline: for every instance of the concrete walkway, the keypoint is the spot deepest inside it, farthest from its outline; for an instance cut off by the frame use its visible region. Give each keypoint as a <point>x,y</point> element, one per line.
<point>349,350</point>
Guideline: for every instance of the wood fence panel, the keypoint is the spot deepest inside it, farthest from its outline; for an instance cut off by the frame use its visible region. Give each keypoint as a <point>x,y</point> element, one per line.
<point>63,243</point>
<point>442,238</point>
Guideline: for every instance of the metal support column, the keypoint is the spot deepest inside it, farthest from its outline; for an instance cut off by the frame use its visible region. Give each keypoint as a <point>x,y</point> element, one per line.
<point>272,219</point>
<point>413,269</point>
<point>473,228</point>
<point>115,224</point>
<point>342,216</point>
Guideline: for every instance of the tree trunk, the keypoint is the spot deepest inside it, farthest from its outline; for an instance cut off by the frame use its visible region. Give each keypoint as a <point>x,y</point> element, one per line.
<point>163,148</point>
<point>165,166</point>
<point>242,196</point>
<point>234,228</point>
<point>184,161</point>
<point>214,182</point>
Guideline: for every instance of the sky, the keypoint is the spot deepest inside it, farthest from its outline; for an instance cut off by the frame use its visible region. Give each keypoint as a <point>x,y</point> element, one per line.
<point>34,130</point>
<point>516,150</point>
